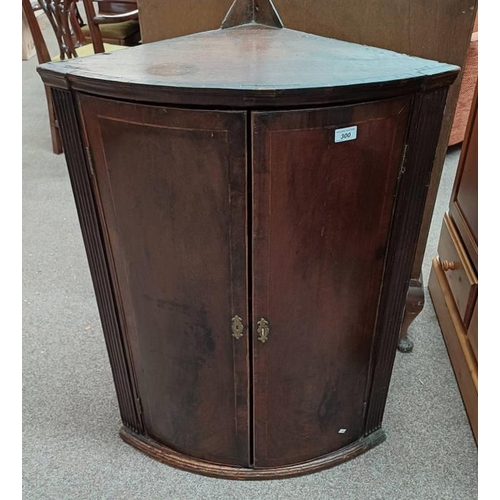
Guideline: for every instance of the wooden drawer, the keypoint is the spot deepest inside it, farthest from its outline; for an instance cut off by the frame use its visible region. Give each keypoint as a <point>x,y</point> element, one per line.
<point>455,334</point>
<point>473,330</point>
<point>457,269</point>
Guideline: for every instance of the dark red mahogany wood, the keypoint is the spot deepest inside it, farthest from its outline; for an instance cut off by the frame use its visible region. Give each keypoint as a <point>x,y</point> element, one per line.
<point>250,264</point>
<point>179,284</point>
<point>322,213</point>
<point>255,66</point>
<point>175,459</point>
<point>100,266</point>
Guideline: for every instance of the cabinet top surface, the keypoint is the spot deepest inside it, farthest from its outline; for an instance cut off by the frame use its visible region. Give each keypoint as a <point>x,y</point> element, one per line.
<point>249,62</point>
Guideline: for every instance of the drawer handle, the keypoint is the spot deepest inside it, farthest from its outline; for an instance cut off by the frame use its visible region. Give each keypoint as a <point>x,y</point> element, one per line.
<point>237,327</point>
<point>263,330</point>
<point>448,265</point>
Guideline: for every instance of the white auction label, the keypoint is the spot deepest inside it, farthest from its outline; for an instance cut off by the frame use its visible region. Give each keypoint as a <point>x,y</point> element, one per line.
<point>346,134</point>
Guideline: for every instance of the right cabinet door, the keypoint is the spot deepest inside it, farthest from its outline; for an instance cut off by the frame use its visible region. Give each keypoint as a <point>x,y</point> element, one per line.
<point>324,186</point>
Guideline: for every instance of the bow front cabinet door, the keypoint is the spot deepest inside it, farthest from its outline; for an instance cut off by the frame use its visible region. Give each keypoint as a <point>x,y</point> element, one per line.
<point>321,218</point>
<point>319,213</point>
<point>172,188</point>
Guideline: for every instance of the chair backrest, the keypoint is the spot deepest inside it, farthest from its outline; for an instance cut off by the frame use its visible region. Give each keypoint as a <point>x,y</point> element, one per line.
<point>65,21</point>
<point>118,13</point>
<point>115,7</point>
<point>42,52</point>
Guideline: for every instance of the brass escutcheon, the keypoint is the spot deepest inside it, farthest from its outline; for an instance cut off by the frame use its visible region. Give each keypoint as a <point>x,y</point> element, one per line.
<point>237,327</point>
<point>263,330</point>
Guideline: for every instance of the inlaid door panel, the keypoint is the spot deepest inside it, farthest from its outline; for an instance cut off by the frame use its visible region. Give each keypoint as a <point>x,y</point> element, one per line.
<point>180,265</point>
<point>324,185</point>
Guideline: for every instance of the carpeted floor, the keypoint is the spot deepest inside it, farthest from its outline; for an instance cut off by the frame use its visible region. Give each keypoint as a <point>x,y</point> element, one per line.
<point>71,447</point>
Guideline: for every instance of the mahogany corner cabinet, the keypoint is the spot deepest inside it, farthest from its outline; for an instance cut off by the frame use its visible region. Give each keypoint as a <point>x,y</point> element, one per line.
<point>250,200</point>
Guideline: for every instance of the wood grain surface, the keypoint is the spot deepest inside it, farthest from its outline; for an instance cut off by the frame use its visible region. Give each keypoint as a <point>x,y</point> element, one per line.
<point>421,141</point>
<point>255,65</point>
<point>415,27</point>
<point>177,235</point>
<point>461,354</point>
<point>168,456</point>
<point>464,200</point>
<point>473,331</point>
<point>439,30</point>
<point>240,201</point>
<point>94,239</point>
<point>322,212</point>
<point>461,276</point>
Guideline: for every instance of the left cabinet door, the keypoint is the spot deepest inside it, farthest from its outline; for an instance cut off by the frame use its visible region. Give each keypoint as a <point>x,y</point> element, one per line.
<point>171,189</point>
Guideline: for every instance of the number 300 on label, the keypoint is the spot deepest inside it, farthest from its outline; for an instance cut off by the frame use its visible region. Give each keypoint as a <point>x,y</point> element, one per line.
<point>346,134</point>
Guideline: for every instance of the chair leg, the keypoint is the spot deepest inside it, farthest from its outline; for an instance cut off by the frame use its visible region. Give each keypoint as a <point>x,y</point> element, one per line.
<point>414,304</point>
<point>54,128</point>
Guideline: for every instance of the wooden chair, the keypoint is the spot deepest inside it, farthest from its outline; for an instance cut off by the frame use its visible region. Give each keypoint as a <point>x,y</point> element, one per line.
<point>67,25</point>
<point>126,32</point>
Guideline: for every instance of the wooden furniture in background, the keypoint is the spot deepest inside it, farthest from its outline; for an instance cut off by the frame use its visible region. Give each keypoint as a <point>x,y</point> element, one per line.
<point>467,88</point>
<point>66,25</point>
<point>438,30</point>
<point>28,44</point>
<point>115,23</point>
<point>453,283</point>
<point>250,200</point>
<point>63,22</point>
